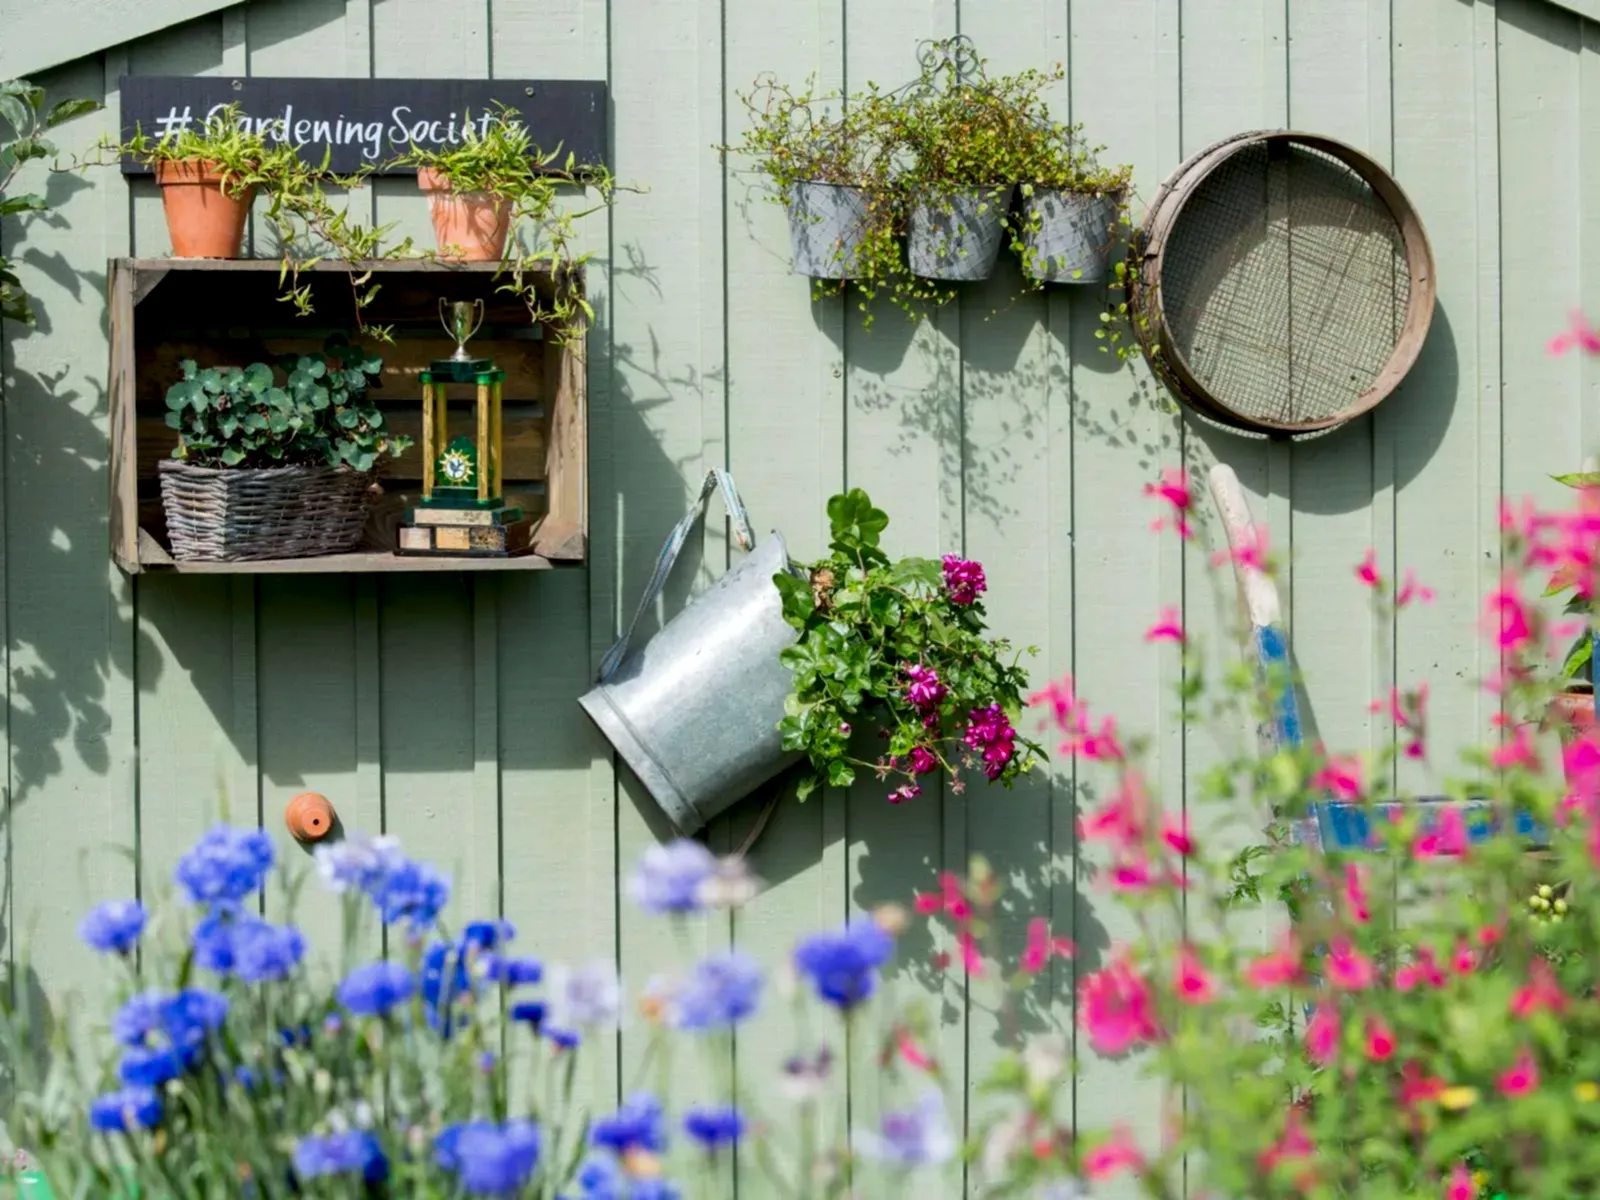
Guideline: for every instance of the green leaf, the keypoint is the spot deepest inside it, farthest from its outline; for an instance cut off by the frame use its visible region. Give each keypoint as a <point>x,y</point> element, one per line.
<point>854,521</point>
<point>841,774</point>
<point>1578,657</point>
<point>348,418</point>
<point>10,206</point>
<point>232,456</point>
<point>65,110</point>
<point>257,378</point>
<point>1579,479</point>
<point>16,113</point>
<point>809,782</point>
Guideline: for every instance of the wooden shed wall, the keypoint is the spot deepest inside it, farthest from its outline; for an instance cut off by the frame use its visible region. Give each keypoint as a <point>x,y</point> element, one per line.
<point>442,709</point>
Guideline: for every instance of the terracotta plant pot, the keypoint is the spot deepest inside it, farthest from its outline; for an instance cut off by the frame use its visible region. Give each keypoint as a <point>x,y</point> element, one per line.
<point>203,219</point>
<point>309,816</point>
<point>468,226</point>
<point>1571,715</point>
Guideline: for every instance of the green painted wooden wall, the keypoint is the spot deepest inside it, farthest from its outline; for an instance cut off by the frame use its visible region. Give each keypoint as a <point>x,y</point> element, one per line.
<point>442,710</point>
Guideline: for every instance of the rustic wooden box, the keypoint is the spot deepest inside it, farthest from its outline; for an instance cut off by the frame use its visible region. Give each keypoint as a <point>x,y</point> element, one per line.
<point>228,313</point>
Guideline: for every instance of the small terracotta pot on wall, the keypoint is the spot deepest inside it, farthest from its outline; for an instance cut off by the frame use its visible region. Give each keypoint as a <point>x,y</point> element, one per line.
<point>205,221</point>
<point>468,226</point>
<point>309,816</point>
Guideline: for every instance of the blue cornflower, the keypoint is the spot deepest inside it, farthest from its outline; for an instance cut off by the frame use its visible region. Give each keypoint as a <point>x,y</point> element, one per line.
<point>668,879</point>
<point>113,927</point>
<point>263,953</point>
<point>213,937</point>
<point>637,1125</point>
<point>530,1012</point>
<point>357,864</point>
<point>589,997</point>
<point>138,1018</point>
<point>843,966</point>
<point>487,935</point>
<point>182,1018</point>
<point>123,1112</point>
<point>654,1188</point>
<point>489,1159</point>
<point>721,991</point>
<point>226,864</point>
<point>151,1067</point>
<point>714,1128</point>
<point>356,1150</point>
<point>444,982</point>
<point>372,990</point>
<point>515,972</point>
<point>601,1177</point>
<point>913,1137</point>
<point>411,891</point>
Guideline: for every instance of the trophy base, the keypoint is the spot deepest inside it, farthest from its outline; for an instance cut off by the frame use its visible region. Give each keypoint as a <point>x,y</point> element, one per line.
<point>451,514</point>
<point>447,498</point>
<point>466,540</point>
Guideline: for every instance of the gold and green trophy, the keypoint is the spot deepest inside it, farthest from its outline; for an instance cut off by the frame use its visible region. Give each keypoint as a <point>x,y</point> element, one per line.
<point>462,511</point>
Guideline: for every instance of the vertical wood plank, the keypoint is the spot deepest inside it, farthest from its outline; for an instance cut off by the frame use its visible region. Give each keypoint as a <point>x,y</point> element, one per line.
<point>785,448</point>
<point>667,385</point>
<point>1124,73</point>
<point>1434,428</point>
<point>72,787</point>
<point>1336,53</point>
<point>558,821</point>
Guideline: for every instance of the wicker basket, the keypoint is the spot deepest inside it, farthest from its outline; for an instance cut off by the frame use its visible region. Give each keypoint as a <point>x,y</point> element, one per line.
<point>241,514</point>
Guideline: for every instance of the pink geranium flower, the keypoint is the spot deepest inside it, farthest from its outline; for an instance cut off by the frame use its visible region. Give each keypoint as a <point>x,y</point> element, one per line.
<point>1117,1009</point>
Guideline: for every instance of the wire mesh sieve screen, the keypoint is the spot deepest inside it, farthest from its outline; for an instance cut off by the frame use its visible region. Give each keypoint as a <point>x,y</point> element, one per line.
<point>1284,285</point>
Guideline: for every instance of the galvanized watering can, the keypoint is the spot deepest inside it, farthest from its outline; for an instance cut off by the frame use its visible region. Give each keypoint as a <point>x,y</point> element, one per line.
<point>695,711</point>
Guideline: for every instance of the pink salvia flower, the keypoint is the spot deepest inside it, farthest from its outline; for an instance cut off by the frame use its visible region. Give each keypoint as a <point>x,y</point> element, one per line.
<point>927,904</point>
<point>1131,874</point>
<point>1465,960</point>
<point>1109,1158</point>
<point>1251,553</point>
<point>1506,619</point>
<point>1276,968</point>
<point>1322,1034</point>
<point>954,897</point>
<point>1380,1040</point>
<point>1460,1185</point>
<point>1367,570</point>
<point>1293,1147</point>
<point>1175,833</point>
<point>1522,1078</point>
<point>912,1053</point>
<point>1444,837</point>
<point>1193,981</point>
<point>1042,947</point>
<point>1349,970</point>
<point>1518,752</point>
<point>1579,335</point>
<point>1412,590</point>
<point>971,959</point>
<point>1117,1009</point>
<point>1102,746</point>
<point>1340,777</point>
<point>1173,487</point>
<point>1540,994</point>
<point>1355,893</point>
<point>1168,629</point>
<point>1123,820</point>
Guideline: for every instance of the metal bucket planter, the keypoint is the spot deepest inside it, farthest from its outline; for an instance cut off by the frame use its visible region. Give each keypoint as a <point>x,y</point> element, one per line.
<point>828,223</point>
<point>695,711</point>
<point>957,236</point>
<point>1074,234</point>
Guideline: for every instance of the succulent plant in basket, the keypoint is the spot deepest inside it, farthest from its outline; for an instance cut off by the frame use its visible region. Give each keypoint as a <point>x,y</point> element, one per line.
<point>898,648</point>
<point>270,469</point>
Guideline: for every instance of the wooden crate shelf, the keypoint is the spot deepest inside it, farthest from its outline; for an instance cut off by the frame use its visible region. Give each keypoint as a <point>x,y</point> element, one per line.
<point>227,313</point>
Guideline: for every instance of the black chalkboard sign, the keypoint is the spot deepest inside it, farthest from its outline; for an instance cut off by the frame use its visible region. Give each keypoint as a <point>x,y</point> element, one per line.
<point>366,121</point>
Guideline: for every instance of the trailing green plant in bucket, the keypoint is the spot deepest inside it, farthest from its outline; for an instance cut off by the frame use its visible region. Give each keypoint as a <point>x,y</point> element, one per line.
<point>899,644</point>
<point>1073,211</point>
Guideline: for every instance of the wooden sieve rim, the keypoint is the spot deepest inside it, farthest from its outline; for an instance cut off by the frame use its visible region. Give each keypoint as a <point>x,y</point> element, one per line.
<point>1151,245</point>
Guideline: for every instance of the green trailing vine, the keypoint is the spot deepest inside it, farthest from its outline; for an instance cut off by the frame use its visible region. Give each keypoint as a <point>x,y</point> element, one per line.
<point>501,158</point>
<point>24,121</point>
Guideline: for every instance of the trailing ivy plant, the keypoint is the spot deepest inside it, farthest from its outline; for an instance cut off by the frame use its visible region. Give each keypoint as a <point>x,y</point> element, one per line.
<point>318,416</point>
<point>24,121</point>
<point>498,155</point>
<point>797,137</point>
<point>899,647</point>
<point>308,227</point>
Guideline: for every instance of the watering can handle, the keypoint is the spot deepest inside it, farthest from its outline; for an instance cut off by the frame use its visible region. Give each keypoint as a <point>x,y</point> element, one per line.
<point>716,479</point>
